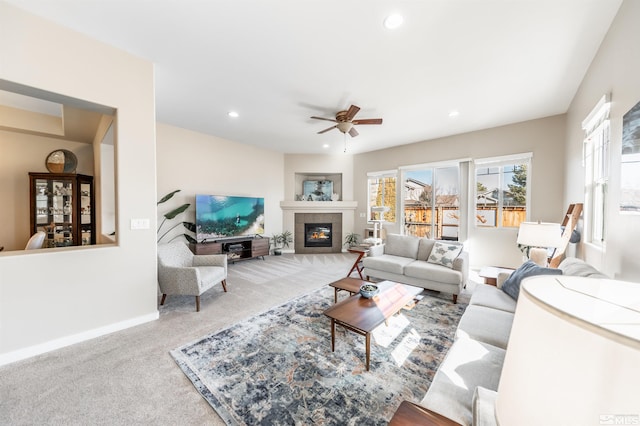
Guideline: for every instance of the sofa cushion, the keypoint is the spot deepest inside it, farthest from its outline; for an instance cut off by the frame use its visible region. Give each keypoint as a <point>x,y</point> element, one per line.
<point>468,364</point>
<point>432,272</point>
<point>424,248</point>
<point>387,263</point>
<point>444,253</point>
<point>483,407</point>
<point>528,269</point>
<point>579,268</point>
<point>487,325</point>
<point>492,297</point>
<point>402,245</point>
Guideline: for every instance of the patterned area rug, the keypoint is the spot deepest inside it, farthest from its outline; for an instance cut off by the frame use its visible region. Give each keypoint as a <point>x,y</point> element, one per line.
<point>277,368</point>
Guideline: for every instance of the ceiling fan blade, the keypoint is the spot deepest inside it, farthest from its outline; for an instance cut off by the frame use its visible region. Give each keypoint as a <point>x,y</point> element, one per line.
<point>368,121</point>
<point>353,132</point>
<point>326,130</point>
<point>326,119</point>
<point>353,110</point>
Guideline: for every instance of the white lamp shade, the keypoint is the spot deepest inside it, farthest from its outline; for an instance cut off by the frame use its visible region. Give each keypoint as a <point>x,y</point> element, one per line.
<point>574,354</point>
<point>534,234</point>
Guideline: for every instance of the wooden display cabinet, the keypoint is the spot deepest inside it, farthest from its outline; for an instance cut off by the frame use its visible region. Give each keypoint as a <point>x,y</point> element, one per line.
<point>62,205</point>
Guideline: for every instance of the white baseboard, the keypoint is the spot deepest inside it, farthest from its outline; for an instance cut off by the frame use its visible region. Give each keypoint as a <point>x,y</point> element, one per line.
<point>31,351</point>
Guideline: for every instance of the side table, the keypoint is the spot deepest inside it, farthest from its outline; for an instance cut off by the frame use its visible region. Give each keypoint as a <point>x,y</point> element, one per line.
<point>410,414</point>
<point>490,274</point>
<point>361,252</point>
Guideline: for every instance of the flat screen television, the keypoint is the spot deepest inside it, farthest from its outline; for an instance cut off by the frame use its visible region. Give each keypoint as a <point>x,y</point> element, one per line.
<point>224,216</point>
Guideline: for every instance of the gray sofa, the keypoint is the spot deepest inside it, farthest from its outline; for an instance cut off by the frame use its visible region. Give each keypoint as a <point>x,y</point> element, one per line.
<point>404,259</point>
<point>464,387</point>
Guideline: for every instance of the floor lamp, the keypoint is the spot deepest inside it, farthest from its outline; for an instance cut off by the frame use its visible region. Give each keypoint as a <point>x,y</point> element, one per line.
<point>539,237</point>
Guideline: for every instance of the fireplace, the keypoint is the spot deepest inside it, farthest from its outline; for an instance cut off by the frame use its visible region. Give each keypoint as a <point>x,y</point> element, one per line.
<point>318,235</point>
<point>317,232</point>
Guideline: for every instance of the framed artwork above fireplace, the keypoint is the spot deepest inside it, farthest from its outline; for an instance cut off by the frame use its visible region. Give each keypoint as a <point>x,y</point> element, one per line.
<point>317,190</point>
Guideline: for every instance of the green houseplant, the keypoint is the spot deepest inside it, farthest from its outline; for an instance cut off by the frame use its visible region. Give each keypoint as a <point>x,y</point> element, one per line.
<point>171,215</point>
<point>280,241</point>
<point>351,239</point>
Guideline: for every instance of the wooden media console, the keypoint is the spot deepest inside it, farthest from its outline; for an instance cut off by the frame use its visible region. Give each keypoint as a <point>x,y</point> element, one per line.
<point>237,248</point>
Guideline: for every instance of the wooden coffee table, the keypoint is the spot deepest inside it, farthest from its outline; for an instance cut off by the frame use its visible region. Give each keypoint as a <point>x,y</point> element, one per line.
<point>362,315</point>
<point>352,285</point>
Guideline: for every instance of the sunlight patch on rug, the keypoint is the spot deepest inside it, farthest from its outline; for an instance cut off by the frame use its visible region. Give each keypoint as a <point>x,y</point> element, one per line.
<point>278,368</point>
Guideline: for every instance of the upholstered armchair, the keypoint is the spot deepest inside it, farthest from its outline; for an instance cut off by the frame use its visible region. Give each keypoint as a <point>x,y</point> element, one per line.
<point>180,272</point>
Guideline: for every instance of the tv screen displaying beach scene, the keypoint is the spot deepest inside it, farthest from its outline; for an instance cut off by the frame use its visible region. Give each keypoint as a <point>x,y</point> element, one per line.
<point>222,216</point>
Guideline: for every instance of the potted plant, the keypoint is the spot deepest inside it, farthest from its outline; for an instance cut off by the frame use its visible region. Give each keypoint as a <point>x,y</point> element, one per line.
<point>280,241</point>
<point>171,215</point>
<point>351,239</point>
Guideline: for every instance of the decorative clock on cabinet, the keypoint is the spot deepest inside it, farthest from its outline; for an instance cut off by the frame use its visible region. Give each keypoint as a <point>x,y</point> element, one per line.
<point>62,205</point>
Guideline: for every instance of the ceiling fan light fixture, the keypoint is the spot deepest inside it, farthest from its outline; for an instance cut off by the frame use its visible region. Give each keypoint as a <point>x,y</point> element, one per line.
<point>345,126</point>
<point>393,21</point>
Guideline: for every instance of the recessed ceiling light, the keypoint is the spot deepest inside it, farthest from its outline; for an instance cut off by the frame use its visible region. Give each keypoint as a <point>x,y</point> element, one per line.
<point>325,146</point>
<point>393,21</point>
<point>454,113</point>
<point>233,114</point>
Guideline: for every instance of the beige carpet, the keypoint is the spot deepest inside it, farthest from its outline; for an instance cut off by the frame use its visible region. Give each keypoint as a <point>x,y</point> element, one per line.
<point>129,378</point>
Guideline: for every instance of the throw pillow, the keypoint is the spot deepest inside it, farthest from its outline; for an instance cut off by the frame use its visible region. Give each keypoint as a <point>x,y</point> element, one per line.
<point>511,286</point>
<point>444,253</point>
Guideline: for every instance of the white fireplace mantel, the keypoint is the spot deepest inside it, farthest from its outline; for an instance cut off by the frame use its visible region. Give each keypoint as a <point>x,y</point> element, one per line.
<point>290,208</point>
<point>318,206</point>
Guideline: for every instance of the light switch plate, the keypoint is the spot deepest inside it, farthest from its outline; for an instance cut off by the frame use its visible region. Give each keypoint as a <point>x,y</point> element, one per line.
<point>140,223</point>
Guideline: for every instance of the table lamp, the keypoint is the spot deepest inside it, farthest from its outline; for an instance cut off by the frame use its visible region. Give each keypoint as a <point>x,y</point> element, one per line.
<point>573,355</point>
<point>539,237</point>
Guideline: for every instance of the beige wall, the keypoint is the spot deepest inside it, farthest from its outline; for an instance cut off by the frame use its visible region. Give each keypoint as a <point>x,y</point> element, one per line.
<point>615,70</point>
<point>54,297</point>
<point>543,137</point>
<point>200,164</point>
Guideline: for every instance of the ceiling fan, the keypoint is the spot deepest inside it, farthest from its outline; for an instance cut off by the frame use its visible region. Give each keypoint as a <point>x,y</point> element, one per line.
<point>345,121</point>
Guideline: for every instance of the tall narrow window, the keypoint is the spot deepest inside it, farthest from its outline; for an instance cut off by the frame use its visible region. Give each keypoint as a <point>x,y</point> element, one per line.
<point>382,193</point>
<point>502,191</point>
<point>431,202</point>
<point>596,168</point>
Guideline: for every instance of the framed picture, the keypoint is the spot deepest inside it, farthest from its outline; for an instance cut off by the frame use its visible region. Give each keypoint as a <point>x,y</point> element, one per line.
<point>630,163</point>
<point>317,190</point>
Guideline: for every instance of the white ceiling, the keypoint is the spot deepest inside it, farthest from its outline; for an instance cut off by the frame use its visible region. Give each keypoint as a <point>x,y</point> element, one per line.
<point>278,62</point>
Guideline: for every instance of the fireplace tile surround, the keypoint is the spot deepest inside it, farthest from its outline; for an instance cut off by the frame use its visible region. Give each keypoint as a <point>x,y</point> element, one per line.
<point>341,214</point>
<point>300,219</point>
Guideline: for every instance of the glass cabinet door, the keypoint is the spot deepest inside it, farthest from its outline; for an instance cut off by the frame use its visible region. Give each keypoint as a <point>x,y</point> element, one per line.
<point>85,213</point>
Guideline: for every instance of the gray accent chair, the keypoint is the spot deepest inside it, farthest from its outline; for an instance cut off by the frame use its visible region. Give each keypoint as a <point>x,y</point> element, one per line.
<point>180,272</point>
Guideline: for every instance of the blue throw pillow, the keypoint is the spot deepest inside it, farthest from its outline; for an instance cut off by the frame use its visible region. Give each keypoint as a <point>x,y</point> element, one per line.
<point>511,285</point>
